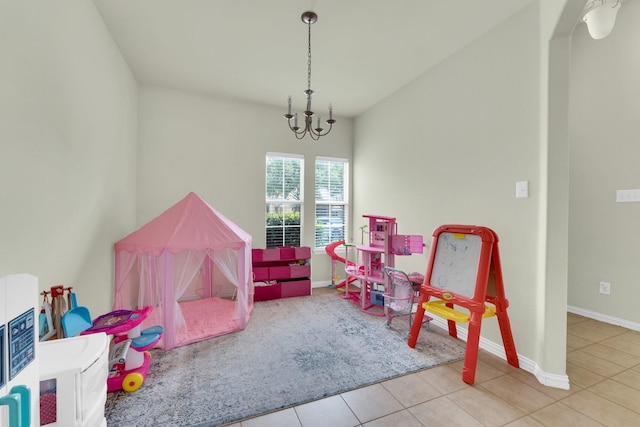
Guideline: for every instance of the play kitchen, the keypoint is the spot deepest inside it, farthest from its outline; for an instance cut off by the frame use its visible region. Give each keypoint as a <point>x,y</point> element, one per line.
<point>49,374</point>
<point>71,393</point>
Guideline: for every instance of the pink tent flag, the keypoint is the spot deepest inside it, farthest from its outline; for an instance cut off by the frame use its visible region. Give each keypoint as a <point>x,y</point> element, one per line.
<point>193,266</point>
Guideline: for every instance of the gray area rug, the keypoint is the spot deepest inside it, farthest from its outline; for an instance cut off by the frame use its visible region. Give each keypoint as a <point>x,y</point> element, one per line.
<point>293,350</point>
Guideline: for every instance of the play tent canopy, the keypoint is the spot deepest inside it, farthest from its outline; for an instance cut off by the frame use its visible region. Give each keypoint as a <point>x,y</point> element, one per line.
<point>193,266</point>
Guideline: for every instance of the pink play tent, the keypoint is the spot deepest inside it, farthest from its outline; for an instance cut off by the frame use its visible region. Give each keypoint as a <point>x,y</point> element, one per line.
<point>193,266</point>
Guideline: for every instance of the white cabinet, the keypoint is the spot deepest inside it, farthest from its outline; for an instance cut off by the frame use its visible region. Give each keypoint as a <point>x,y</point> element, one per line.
<point>73,381</point>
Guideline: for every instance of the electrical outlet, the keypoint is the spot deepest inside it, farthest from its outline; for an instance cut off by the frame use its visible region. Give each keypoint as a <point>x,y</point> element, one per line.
<point>605,288</point>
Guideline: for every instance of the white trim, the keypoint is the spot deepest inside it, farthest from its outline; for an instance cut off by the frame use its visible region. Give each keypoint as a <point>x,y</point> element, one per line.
<point>526,364</point>
<point>286,155</point>
<point>332,159</point>
<point>546,378</point>
<point>321,284</point>
<point>634,326</point>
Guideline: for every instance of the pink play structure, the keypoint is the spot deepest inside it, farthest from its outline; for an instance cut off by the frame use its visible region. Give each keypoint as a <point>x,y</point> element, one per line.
<point>193,266</point>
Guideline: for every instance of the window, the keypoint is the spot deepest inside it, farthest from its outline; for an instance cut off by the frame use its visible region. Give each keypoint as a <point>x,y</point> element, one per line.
<point>332,201</point>
<point>284,199</point>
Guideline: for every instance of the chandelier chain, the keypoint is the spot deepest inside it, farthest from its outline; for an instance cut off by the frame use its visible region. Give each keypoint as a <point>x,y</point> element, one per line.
<point>309,60</point>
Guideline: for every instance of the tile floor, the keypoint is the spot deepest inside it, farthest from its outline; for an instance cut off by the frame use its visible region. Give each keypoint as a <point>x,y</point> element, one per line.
<point>603,364</point>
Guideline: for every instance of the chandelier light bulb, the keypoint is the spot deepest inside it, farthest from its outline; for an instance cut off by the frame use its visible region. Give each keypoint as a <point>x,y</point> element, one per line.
<point>600,17</point>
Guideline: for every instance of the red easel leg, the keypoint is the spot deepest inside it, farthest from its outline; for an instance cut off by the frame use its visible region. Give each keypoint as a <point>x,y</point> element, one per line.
<point>471,352</point>
<point>453,329</point>
<point>417,324</point>
<point>507,339</point>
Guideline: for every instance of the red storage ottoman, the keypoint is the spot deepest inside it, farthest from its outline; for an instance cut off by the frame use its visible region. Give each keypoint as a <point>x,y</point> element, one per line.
<point>269,292</point>
<point>271,254</point>
<point>299,271</point>
<point>280,272</point>
<point>296,288</point>
<point>260,273</point>
<point>302,252</point>
<point>256,255</point>
<point>287,253</point>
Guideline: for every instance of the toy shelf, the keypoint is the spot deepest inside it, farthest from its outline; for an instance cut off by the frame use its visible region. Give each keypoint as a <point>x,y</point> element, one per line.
<point>281,272</point>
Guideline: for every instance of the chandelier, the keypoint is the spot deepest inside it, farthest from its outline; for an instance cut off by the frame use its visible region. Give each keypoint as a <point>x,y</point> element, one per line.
<point>300,132</point>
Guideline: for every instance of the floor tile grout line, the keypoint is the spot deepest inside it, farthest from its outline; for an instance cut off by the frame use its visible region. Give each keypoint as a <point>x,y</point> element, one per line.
<point>634,369</point>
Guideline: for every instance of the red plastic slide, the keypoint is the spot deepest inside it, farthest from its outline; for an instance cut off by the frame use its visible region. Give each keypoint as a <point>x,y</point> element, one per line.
<point>330,249</point>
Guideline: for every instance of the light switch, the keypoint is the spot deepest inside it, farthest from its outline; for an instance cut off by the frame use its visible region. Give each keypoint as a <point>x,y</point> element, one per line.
<point>625,196</point>
<point>522,189</point>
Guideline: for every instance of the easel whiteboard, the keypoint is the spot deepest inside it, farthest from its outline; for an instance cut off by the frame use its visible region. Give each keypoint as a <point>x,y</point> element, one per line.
<point>455,266</point>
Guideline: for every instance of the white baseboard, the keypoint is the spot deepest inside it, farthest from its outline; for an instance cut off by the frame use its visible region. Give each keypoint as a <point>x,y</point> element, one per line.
<point>634,326</point>
<point>321,284</point>
<point>545,378</point>
<point>526,364</point>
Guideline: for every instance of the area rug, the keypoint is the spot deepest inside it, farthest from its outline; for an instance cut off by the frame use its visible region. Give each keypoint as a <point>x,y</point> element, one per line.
<point>294,350</point>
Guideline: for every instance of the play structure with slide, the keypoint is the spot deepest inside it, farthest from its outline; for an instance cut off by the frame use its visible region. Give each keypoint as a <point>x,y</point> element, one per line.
<point>379,246</point>
<point>330,249</point>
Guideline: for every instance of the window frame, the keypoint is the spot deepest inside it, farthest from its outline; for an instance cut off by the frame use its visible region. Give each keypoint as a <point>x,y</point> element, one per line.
<point>284,202</point>
<point>344,203</point>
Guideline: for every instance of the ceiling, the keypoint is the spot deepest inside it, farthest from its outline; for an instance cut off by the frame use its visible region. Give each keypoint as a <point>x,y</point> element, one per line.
<point>256,50</point>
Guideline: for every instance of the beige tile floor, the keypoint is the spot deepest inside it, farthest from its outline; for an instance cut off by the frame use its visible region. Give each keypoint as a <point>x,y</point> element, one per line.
<point>603,364</point>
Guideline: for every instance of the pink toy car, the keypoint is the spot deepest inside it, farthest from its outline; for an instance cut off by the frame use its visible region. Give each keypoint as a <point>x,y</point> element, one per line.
<point>129,358</point>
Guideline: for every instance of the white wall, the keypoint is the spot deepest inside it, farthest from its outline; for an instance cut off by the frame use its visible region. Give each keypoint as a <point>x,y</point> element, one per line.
<point>72,180</point>
<point>604,124</point>
<point>67,144</point>
<point>461,136</point>
<point>216,148</point>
